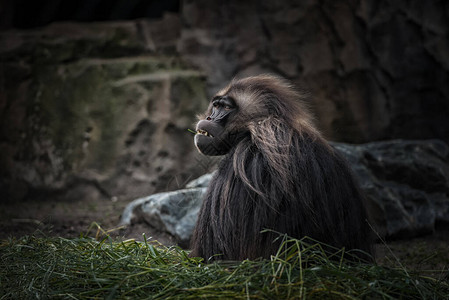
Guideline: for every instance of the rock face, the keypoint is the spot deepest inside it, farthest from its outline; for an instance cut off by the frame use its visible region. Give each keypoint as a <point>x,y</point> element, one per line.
<point>97,110</point>
<point>406,184</point>
<point>376,70</point>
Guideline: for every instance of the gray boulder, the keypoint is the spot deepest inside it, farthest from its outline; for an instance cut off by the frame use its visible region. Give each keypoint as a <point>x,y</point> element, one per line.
<point>202,181</point>
<point>406,184</point>
<point>173,212</point>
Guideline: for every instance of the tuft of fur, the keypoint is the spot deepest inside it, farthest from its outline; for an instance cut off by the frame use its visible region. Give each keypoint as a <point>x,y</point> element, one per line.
<point>282,175</point>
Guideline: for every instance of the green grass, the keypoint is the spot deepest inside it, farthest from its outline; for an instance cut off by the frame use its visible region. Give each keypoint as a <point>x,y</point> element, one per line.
<point>40,267</point>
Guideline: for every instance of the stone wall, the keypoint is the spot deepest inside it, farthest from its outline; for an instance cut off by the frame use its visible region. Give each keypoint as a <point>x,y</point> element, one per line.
<point>97,110</point>
<point>102,109</point>
<point>376,69</point>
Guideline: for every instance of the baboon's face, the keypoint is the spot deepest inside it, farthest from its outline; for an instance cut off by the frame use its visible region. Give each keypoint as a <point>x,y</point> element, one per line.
<point>237,108</point>
<point>213,133</point>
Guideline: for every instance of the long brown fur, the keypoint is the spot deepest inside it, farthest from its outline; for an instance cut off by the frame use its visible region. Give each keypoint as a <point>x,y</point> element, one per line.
<point>282,175</point>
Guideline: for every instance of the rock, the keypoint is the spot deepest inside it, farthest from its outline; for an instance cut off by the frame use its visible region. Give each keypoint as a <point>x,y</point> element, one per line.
<point>105,105</point>
<point>376,71</point>
<point>202,181</point>
<point>406,184</point>
<point>173,212</point>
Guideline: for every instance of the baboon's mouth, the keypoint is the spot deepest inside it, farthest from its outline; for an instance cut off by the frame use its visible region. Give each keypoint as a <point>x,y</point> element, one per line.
<point>204,132</point>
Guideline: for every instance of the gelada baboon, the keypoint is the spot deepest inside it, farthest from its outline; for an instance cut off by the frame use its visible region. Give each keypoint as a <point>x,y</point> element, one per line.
<point>278,173</point>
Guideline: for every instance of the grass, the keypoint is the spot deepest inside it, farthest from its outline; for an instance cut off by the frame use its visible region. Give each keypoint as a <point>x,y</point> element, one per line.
<point>41,267</point>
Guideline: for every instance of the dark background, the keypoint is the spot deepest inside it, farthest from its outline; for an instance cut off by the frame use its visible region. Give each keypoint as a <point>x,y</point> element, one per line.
<point>26,14</point>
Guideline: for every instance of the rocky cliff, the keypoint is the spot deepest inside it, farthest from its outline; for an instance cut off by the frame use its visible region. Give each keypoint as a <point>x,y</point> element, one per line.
<point>97,110</point>
<point>376,69</point>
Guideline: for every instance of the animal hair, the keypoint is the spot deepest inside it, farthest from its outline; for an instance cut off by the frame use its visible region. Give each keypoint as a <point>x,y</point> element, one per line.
<point>281,175</point>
